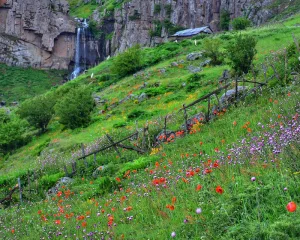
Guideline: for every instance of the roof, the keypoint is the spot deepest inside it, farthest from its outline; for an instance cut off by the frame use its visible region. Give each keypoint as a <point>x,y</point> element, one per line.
<point>193,31</point>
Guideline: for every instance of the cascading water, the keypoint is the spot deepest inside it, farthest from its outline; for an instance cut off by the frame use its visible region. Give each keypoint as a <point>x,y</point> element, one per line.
<point>80,52</point>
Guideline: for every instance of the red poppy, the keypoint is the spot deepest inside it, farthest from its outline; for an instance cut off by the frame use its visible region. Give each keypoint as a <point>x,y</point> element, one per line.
<point>39,212</point>
<point>13,231</point>
<point>57,222</point>
<point>83,224</point>
<point>118,179</point>
<point>219,189</point>
<point>199,187</point>
<point>291,207</point>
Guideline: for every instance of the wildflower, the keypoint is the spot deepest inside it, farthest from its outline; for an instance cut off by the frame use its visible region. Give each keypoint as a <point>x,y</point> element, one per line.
<point>219,190</point>
<point>291,207</point>
<point>13,231</point>
<point>59,194</point>
<point>57,222</point>
<point>39,212</point>
<point>198,188</point>
<point>84,224</point>
<point>253,179</point>
<point>285,189</point>
<point>173,234</point>
<point>118,179</point>
<point>198,210</point>
<point>174,199</point>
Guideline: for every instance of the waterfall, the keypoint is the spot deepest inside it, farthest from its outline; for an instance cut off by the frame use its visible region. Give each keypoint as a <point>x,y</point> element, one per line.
<point>80,51</point>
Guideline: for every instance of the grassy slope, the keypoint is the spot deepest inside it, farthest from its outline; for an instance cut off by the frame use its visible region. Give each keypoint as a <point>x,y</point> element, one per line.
<point>18,84</point>
<point>223,215</point>
<point>269,38</point>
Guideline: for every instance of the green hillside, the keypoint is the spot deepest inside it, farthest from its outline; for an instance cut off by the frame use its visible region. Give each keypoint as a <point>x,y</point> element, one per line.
<point>231,178</point>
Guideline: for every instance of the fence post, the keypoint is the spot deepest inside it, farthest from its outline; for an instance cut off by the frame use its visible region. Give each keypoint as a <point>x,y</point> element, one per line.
<point>185,118</point>
<point>165,126</point>
<point>20,190</point>
<point>236,90</point>
<point>208,109</point>
<point>113,145</point>
<point>73,167</point>
<point>28,179</point>
<point>83,155</point>
<point>66,170</point>
<point>95,158</point>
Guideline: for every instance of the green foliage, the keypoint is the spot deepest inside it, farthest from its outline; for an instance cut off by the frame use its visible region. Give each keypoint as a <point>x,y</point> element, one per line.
<point>38,111</point>
<point>136,114</point>
<point>194,82</point>
<point>241,53</point>
<point>225,20</point>
<point>212,49</point>
<point>48,181</point>
<point>136,15</point>
<point>155,91</point>
<point>128,62</point>
<point>240,23</point>
<point>12,132</point>
<point>75,108</point>
<point>293,57</point>
<point>168,9</point>
<point>157,29</point>
<point>95,28</point>
<point>157,8</point>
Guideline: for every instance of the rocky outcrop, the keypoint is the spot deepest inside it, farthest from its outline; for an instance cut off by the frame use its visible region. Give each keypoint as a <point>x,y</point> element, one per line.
<point>136,19</point>
<point>36,33</point>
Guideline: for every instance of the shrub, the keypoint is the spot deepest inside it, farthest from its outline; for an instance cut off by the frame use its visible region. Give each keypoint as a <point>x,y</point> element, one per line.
<point>212,48</point>
<point>241,53</point>
<point>240,23</point>
<point>136,114</point>
<point>194,82</point>
<point>75,108</point>
<point>128,62</point>
<point>225,20</point>
<point>12,131</point>
<point>38,111</point>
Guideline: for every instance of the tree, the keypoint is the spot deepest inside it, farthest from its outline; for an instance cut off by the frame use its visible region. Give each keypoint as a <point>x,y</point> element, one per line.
<point>38,111</point>
<point>241,53</point>
<point>128,62</point>
<point>212,49</point>
<point>12,130</point>
<point>240,23</point>
<point>75,108</point>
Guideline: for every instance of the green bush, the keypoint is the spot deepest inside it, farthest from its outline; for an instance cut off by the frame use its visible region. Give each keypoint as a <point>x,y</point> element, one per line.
<point>225,20</point>
<point>12,132</point>
<point>38,111</point>
<point>241,53</point>
<point>194,82</point>
<point>49,181</point>
<point>155,91</point>
<point>136,114</point>
<point>128,62</point>
<point>240,23</point>
<point>212,48</point>
<point>75,108</point>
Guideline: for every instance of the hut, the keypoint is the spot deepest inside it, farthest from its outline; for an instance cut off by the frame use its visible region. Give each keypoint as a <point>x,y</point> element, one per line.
<point>192,32</point>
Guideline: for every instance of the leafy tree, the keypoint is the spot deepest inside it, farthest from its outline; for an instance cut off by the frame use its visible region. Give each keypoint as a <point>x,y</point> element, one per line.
<point>75,108</point>
<point>240,23</point>
<point>212,48</point>
<point>38,111</point>
<point>12,130</point>
<point>241,53</point>
<point>225,20</point>
<point>128,62</point>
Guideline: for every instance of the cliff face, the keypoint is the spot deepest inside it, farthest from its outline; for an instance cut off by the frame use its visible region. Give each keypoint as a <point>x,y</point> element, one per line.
<point>39,33</point>
<point>136,19</point>
<point>36,33</point>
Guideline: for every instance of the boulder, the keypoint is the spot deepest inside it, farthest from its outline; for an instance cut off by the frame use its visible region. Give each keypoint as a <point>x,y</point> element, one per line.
<point>61,182</point>
<point>194,69</point>
<point>229,96</point>
<point>164,136</point>
<point>198,118</point>
<point>205,63</point>
<point>142,97</point>
<point>194,56</point>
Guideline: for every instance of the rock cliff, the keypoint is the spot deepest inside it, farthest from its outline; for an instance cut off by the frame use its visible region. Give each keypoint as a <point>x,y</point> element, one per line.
<point>36,33</point>
<point>41,34</point>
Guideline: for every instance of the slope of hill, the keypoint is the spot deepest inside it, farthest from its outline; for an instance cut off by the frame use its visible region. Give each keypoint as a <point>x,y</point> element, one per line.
<point>231,178</point>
